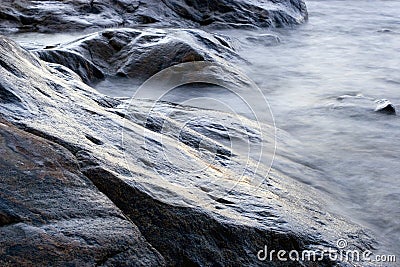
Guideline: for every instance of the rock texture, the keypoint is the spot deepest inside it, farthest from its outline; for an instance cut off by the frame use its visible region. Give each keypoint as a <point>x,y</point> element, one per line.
<point>239,13</point>
<point>203,218</point>
<point>137,54</point>
<point>51,214</point>
<point>72,15</point>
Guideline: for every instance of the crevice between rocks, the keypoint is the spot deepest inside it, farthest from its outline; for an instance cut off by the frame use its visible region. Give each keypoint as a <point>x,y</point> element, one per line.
<point>8,219</point>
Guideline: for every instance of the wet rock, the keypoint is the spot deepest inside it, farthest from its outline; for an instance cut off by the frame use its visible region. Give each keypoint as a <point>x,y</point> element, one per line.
<point>72,15</point>
<point>240,12</point>
<point>137,54</point>
<point>88,72</point>
<point>359,103</point>
<point>194,212</point>
<point>385,31</point>
<point>51,214</point>
<point>385,106</point>
<point>266,39</point>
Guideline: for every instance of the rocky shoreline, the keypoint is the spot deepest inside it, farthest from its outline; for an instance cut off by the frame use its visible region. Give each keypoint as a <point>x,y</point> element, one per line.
<point>73,194</point>
<point>72,15</point>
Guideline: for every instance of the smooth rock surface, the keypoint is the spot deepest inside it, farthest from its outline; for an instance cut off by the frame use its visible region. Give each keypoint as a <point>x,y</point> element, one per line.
<point>51,214</point>
<point>137,54</point>
<point>213,217</point>
<point>72,15</point>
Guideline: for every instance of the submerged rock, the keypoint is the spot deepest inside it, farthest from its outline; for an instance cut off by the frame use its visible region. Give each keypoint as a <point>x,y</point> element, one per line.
<point>385,106</point>
<point>360,103</point>
<point>72,15</point>
<point>266,39</point>
<point>213,217</point>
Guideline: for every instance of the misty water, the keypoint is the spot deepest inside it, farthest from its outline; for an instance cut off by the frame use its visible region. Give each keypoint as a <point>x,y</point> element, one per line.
<point>321,80</point>
<point>350,49</point>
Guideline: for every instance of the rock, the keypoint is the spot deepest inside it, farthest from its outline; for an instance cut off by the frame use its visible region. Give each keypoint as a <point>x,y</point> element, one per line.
<point>192,218</point>
<point>266,39</point>
<point>240,12</point>
<point>51,214</point>
<point>137,54</point>
<point>385,31</point>
<point>360,104</point>
<point>88,72</point>
<point>73,15</point>
<point>385,106</point>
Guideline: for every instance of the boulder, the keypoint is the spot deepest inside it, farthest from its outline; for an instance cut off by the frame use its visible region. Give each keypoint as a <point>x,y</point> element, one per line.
<point>88,72</point>
<point>73,15</point>
<point>137,54</point>
<point>51,214</point>
<point>239,13</point>
<point>192,213</point>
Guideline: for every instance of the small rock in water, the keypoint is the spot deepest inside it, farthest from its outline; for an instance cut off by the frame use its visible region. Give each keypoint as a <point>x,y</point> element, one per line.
<point>385,106</point>
<point>384,31</point>
<point>265,39</point>
<point>342,97</point>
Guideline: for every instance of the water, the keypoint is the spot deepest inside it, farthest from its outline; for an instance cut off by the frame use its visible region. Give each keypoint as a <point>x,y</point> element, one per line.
<point>347,48</point>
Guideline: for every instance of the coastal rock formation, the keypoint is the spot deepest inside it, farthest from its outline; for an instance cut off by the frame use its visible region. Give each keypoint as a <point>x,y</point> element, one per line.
<point>192,213</point>
<point>51,214</point>
<point>72,15</point>
<point>240,13</point>
<point>137,54</point>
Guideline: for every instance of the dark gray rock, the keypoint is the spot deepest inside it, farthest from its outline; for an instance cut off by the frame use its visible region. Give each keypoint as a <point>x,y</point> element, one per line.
<point>51,214</point>
<point>137,54</point>
<point>385,106</point>
<point>240,12</point>
<point>72,15</point>
<point>88,72</point>
<point>206,218</point>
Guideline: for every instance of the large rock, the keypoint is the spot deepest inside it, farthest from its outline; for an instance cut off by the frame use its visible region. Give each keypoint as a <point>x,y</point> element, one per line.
<point>137,54</point>
<point>218,216</point>
<point>238,13</point>
<point>72,15</point>
<point>51,214</point>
